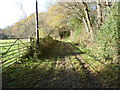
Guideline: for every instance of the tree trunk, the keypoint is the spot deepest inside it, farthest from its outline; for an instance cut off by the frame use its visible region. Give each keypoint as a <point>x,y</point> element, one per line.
<point>107,3</point>
<point>86,25</point>
<point>88,19</point>
<point>99,13</point>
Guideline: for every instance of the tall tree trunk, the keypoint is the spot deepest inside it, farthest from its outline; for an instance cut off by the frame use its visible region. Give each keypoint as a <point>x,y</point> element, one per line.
<point>107,3</point>
<point>86,25</point>
<point>87,16</point>
<point>99,11</point>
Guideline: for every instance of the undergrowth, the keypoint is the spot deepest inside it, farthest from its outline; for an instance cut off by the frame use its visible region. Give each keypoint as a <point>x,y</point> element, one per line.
<point>106,42</point>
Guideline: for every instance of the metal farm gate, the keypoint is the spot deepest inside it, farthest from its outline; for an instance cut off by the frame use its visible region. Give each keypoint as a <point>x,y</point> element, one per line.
<point>10,52</point>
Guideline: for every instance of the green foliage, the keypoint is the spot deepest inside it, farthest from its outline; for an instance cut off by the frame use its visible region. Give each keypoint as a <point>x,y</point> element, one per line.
<point>77,26</point>
<point>74,22</point>
<point>39,51</point>
<point>77,32</point>
<point>42,33</point>
<point>106,41</point>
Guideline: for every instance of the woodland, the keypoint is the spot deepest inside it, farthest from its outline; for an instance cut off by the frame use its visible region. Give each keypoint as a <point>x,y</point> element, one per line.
<point>72,28</point>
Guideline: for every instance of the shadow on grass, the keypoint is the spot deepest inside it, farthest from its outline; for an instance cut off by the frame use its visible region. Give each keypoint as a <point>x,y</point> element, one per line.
<point>42,75</point>
<point>58,49</point>
<point>110,76</point>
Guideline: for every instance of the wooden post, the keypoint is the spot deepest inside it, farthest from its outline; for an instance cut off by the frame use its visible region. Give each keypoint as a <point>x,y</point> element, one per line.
<point>30,39</point>
<point>37,31</point>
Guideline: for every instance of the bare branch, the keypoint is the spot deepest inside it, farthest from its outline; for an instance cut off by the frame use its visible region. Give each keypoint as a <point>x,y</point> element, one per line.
<point>20,5</point>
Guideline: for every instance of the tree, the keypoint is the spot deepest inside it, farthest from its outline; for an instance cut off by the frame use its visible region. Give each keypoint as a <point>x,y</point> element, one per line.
<point>20,5</point>
<point>7,31</point>
<point>87,17</point>
<point>99,11</point>
<point>57,19</point>
<point>81,11</point>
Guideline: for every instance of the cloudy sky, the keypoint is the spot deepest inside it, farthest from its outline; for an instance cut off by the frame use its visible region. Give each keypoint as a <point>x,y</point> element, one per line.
<point>10,11</point>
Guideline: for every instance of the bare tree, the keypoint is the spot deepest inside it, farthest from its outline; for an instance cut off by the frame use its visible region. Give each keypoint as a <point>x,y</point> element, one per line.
<point>80,10</point>
<point>24,16</point>
<point>20,5</point>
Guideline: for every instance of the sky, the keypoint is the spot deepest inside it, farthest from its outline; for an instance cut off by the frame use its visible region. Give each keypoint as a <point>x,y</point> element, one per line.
<point>10,11</point>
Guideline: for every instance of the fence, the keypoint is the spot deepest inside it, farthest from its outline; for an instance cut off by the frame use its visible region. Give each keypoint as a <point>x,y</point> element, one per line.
<point>12,52</point>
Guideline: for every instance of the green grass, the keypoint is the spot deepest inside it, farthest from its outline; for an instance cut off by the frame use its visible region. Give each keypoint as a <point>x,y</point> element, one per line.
<point>108,73</point>
<point>34,72</point>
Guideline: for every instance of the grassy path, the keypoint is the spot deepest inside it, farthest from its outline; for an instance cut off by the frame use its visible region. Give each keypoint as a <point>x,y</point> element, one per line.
<point>66,72</point>
<point>61,67</point>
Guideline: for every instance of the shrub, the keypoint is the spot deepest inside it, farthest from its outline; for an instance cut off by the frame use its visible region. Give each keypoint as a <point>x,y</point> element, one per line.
<point>106,41</point>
